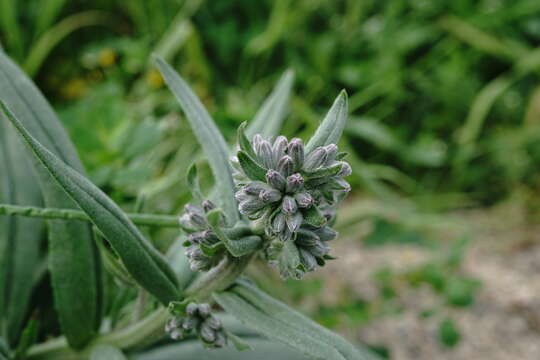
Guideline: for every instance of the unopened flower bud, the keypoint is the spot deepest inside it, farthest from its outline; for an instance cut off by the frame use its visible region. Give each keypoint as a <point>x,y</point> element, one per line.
<point>279,148</point>
<point>289,205</point>
<point>279,223</point>
<point>296,152</point>
<point>294,221</point>
<point>294,183</point>
<point>285,166</point>
<point>204,310</point>
<point>345,169</point>
<point>315,159</point>
<point>304,200</point>
<point>251,206</point>
<point>275,179</point>
<point>270,196</point>
<point>265,154</point>
<point>207,333</point>
<point>331,152</point>
<point>208,205</point>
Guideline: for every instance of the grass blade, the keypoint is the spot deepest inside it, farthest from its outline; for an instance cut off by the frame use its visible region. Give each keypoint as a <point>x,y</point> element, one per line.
<point>208,135</point>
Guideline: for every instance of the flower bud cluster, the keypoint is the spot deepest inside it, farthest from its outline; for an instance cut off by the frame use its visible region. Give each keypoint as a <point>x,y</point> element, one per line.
<point>200,320</point>
<point>296,197</point>
<point>201,237</point>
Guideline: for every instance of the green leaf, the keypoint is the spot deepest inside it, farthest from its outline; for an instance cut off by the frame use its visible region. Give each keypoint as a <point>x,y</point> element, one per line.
<point>73,257</point>
<point>243,141</point>
<point>289,263</point>
<point>109,352</point>
<point>323,172</point>
<point>269,119</point>
<point>237,248</point>
<point>20,238</point>
<point>145,264</point>
<point>314,216</point>
<point>330,130</point>
<point>208,135</point>
<point>193,183</point>
<point>28,338</point>
<point>263,306</point>
<point>263,349</point>
<point>253,170</point>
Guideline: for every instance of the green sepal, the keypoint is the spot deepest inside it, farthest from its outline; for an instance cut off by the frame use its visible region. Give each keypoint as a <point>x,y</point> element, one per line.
<point>313,216</point>
<point>323,172</point>
<point>243,141</point>
<point>253,170</point>
<point>28,338</point>
<point>194,186</point>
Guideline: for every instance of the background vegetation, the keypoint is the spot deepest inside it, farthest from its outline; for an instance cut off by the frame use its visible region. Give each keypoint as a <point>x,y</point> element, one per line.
<point>445,118</point>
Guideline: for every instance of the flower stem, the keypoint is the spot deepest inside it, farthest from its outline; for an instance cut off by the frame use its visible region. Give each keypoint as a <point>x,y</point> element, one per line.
<point>69,214</point>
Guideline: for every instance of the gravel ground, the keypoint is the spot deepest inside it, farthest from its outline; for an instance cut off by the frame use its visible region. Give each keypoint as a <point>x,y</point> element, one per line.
<point>502,324</point>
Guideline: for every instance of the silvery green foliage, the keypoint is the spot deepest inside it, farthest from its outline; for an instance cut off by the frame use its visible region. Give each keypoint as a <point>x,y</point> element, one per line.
<point>197,318</point>
<point>294,195</point>
<point>203,248</point>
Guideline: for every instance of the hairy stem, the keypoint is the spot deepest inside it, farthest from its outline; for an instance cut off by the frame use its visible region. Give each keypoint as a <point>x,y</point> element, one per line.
<point>69,214</point>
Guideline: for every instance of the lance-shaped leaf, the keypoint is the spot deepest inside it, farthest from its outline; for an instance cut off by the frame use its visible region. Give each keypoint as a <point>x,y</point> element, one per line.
<point>331,128</point>
<point>20,238</point>
<point>263,307</point>
<point>193,183</point>
<point>109,352</point>
<point>238,247</point>
<point>269,119</point>
<point>253,170</point>
<point>243,141</point>
<point>145,264</point>
<point>74,265</point>
<point>208,135</point>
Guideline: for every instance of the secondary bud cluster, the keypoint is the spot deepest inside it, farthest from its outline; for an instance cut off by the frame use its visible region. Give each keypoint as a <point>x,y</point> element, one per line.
<point>199,319</point>
<point>292,191</point>
<point>200,237</point>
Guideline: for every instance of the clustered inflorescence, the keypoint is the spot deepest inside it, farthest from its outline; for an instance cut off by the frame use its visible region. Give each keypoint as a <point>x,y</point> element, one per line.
<point>290,194</point>
<point>198,318</point>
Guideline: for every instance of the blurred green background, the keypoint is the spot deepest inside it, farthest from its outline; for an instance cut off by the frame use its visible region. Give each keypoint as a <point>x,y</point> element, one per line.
<point>443,136</point>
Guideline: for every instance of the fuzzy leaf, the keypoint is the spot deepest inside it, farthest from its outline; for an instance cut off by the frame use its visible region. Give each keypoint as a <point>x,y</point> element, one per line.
<point>331,128</point>
<point>193,183</point>
<point>237,248</point>
<point>269,119</point>
<point>145,264</point>
<point>109,352</point>
<point>244,143</point>
<point>74,265</point>
<point>314,216</point>
<point>208,135</point>
<point>253,170</point>
<point>323,172</point>
<point>20,238</point>
<point>300,325</point>
<point>275,326</point>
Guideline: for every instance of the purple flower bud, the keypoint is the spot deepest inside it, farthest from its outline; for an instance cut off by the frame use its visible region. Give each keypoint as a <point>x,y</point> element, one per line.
<point>315,159</point>
<point>204,310</point>
<point>256,142</point>
<point>306,238</point>
<point>304,200</point>
<point>207,333</point>
<point>289,205</point>
<point>265,155</point>
<point>255,187</point>
<point>242,195</point>
<point>294,221</point>
<point>191,309</point>
<point>285,166</point>
<point>251,206</point>
<point>275,179</point>
<point>208,205</point>
<point>294,183</point>
<point>176,334</point>
<point>319,250</point>
<point>221,340</point>
<point>279,223</point>
<point>189,323</point>
<point>308,260</point>
<point>331,151</point>
<point>279,148</point>
<point>345,169</point>
<point>214,322</point>
<point>296,152</point>
<point>270,196</point>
